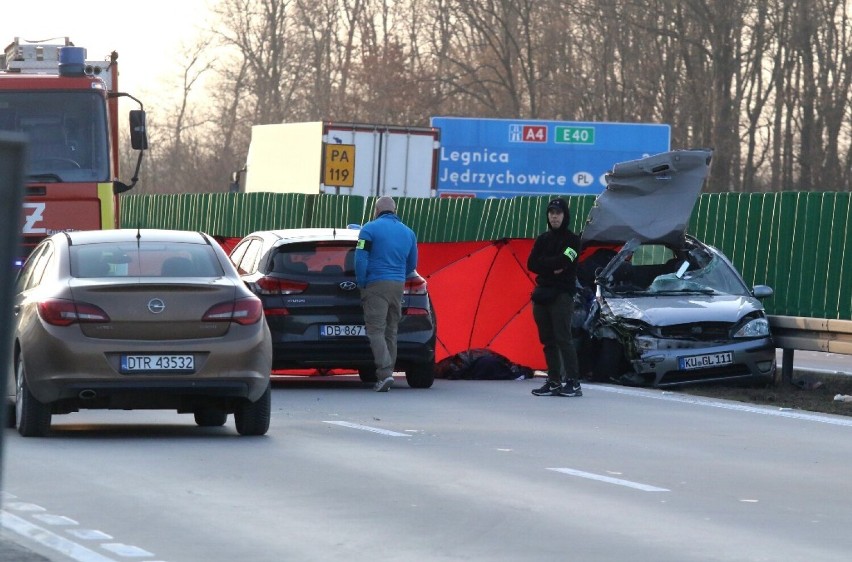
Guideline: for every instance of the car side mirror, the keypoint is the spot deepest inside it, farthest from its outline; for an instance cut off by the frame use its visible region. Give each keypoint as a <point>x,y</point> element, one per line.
<point>762,291</point>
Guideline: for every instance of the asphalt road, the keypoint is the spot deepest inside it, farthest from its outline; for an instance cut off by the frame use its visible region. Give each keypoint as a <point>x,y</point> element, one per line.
<point>818,362</point>
<point>468,470</point>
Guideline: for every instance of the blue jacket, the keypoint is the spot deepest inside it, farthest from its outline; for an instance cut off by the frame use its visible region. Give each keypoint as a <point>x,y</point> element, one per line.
<point>386,251</point>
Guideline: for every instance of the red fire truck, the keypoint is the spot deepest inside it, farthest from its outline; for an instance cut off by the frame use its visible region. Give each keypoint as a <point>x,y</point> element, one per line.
<point>68,109</point>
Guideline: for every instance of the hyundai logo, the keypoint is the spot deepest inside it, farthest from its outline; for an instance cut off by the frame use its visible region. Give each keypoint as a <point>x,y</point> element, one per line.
<point>156,306</point>
<point>348,285</point>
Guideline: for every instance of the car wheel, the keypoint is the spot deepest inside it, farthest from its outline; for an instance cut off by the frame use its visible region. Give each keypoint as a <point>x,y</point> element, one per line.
<point>210,417</point>
<point>420,375</point>
<point>252,418</point>
<point>367,374</point>
<point>31,416</point>
<point>610,363</point>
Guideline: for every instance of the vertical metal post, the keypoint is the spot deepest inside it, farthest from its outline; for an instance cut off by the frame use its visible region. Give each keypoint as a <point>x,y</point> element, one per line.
<point>13,149</point>
<point>787,366</point>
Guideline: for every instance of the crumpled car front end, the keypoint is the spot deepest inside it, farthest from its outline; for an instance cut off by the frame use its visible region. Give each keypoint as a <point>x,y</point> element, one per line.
<point>697,324</point>
<point>663,308</point>
<point>720,339</point>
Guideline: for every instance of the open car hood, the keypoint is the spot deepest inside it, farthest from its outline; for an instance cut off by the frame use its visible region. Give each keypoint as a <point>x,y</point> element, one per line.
<point>650,199</point>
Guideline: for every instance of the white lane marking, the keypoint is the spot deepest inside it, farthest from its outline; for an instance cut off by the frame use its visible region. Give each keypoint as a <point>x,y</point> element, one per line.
<point>126,550</point>
<point>50,540</point>
<point>89,534</point>
<point>54,519</point>
<point>764,410</point>
<point>609,480</point>
<point>368,428</point>
<point>24,506</point>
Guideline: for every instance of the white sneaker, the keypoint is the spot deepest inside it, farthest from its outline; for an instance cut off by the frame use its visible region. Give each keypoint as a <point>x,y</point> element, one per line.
<point>383,385</point>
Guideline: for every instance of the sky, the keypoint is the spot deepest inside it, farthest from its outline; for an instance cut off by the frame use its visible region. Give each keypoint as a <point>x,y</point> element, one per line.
<point>147,36</point>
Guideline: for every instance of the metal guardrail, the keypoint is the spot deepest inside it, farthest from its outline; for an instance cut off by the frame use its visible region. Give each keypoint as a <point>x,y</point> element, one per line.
<point>809,334</point>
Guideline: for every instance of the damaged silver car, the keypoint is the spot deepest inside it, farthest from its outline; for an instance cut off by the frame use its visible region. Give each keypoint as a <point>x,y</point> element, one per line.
<point>661,308</point>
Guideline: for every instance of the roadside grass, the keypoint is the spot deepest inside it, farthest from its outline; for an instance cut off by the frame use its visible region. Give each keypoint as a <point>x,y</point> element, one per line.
<point>813,393</point>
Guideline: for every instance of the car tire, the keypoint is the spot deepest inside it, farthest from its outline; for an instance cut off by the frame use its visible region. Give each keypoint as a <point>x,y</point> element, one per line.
<point>210,417</point>
<point>252,418</point>
<point>610,363</point>
<point>31,416</point>
<point>367,374</point>
<point>420,375</point>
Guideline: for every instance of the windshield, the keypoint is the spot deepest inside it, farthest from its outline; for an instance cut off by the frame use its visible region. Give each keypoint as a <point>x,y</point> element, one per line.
<point>146,259</point>
<point>67,133</point>
<point>715,278</point>
<point>327,260</point>
<point>661,272</point>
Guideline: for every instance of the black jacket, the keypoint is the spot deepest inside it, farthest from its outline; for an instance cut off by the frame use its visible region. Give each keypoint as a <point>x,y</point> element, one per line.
<point>550,252</point>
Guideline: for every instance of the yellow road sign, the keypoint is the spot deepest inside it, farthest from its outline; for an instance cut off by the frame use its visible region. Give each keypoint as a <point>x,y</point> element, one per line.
<point>339,169</point>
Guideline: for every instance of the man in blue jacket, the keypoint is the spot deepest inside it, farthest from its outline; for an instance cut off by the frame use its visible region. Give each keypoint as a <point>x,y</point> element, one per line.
<point>385,255</point>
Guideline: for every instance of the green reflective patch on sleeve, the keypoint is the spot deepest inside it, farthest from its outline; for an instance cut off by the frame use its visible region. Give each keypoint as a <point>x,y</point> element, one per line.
<point>363,244</point>
<point>571,253</point>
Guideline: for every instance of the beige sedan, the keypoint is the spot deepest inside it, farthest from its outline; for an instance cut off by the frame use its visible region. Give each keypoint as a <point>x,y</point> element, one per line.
<point>137,319</point>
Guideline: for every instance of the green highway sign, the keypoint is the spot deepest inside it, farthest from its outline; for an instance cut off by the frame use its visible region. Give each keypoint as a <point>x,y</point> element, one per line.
<point>575,135</point>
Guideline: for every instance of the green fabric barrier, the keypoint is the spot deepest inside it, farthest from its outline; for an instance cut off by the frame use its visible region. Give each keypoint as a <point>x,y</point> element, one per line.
<point>794,242</point>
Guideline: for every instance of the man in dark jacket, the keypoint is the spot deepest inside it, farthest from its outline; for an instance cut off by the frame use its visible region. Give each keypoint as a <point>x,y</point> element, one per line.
<point>554,261</point>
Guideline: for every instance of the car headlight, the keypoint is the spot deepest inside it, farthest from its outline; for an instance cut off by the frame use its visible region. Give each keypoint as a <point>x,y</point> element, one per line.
<point>757,328</point>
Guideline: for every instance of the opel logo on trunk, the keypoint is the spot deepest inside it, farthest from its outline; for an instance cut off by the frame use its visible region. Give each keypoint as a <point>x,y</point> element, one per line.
<point>348,285</point>
<point>156,306</point>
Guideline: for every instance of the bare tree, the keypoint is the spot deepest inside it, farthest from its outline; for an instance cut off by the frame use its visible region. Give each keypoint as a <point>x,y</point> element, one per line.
<point>765,83</point>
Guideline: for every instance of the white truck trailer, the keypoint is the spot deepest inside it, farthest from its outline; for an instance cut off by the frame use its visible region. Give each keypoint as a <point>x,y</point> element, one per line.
<point>341,158</point>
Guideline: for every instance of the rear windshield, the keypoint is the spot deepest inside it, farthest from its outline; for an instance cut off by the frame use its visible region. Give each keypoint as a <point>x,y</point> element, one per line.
<point>316,260</point>
<point>147,259</point>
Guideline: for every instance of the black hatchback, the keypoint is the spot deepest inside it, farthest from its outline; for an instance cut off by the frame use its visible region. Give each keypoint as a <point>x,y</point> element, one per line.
<point>306,280</point>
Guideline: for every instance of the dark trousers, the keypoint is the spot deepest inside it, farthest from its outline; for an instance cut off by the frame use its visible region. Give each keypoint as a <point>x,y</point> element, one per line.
<point>554,330</point>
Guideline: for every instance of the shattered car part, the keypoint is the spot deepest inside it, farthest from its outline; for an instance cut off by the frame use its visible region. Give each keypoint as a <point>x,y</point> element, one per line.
<point>667,308</point>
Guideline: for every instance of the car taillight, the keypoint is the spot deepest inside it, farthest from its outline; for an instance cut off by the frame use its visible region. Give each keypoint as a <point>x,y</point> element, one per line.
<point>415,285</point>
<point>412,311</point>
<point>277,286</point>
<point>276,311</point>
<point>64,313</point>
<point>242,311</point>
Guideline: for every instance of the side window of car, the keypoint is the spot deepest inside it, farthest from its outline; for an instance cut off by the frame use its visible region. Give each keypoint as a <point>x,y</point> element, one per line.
<point>39,266</point>
<point>238,252</point>
<point>26,272</point>
<point>248,263</point>
<point>255,252</point>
